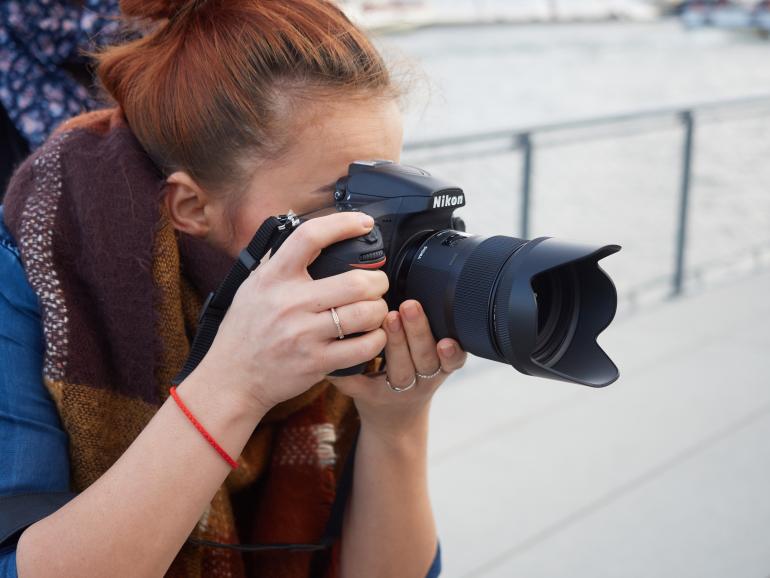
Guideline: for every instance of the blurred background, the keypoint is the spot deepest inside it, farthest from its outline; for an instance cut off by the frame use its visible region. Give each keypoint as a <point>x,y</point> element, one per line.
<point>621,121</point>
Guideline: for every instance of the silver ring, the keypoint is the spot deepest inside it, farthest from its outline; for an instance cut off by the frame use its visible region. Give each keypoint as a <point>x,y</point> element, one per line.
<point>336,319</point>
<point>430,375</point>
<point>407,387</point>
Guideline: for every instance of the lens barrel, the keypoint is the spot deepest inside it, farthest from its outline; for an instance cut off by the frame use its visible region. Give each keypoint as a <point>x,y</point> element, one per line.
<point>537,305</point>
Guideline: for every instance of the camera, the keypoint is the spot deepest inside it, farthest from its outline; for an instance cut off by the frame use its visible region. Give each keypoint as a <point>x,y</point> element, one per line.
<point>537,304</point>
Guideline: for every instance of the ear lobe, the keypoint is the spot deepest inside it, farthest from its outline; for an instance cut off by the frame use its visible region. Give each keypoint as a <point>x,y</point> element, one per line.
<point>186,203</point>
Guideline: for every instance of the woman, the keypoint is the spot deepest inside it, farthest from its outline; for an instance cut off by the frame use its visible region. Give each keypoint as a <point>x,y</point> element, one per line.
<point>229,112</point>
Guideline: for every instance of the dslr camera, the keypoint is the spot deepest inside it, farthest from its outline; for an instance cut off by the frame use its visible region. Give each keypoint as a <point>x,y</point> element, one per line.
<point>537,304</point>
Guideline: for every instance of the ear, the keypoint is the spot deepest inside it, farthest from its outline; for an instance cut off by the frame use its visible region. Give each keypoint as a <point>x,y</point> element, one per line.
<point>188,205</point>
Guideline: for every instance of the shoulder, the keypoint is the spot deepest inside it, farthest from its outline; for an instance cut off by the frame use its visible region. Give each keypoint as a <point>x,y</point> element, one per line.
<point>15,291</point>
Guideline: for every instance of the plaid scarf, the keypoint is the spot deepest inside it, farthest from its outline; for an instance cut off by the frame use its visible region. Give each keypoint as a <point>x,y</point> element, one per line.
<point>119,291</point>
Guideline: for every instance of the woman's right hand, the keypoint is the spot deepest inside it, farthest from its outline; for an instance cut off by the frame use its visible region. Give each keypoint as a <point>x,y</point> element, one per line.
<point>278,338</point>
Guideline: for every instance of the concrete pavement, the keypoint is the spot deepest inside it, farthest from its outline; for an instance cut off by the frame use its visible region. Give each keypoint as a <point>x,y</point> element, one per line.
<point>665,473</point>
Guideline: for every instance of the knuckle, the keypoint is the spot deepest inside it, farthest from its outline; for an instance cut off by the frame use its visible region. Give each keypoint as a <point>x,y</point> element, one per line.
<point>382,280</point>
<point>362,349</point>
<point>373,319</point>
<point>303,338</point>
<point>286,338</point>
<point>378,283</point>
<point>360,284</point>
<point>366,348</point>
<point>307,234</point>
<point>284,309</point>
<point>253,282</point>
<point>376,343</point>
<point>374,314</point>
<point>347,219</point>
<point>381,310</point>
<point>371,313</point>
<point>358,313</point>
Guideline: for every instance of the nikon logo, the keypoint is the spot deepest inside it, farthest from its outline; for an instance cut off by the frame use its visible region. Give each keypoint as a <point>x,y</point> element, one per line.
<point>447,201</point>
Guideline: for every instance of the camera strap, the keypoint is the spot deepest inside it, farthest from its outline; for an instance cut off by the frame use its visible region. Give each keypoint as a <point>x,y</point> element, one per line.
<point>19,511</point>
<point>270,236</point>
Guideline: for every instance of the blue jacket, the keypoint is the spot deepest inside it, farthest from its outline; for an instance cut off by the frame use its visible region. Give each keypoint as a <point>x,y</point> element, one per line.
<point>33,445</point>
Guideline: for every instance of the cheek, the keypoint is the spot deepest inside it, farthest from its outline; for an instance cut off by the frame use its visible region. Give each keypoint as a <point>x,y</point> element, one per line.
<point>247,220</point>
<point>246,226</point>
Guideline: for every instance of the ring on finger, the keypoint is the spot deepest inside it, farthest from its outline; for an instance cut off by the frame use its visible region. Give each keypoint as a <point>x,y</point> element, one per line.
<point>338,325</point>
<point>406,387</point>
<point>429,375</point>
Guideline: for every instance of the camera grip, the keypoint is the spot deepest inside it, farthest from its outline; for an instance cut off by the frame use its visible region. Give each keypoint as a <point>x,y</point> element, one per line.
<point>364,252</point>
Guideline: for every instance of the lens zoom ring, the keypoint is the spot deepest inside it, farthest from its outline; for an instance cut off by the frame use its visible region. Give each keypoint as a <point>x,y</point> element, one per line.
<point>474,293</point>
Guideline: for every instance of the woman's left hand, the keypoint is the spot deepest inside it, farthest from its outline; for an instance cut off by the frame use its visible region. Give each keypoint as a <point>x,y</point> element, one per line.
<point>410,349</point>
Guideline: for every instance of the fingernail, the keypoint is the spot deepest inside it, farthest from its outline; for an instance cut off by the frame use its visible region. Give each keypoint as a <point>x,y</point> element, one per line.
<point>366,221</point>
<point>448,349</point>
<point>411,311</point>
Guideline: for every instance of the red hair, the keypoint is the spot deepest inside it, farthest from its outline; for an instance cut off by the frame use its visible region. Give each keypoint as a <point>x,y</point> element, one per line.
<point>213,82</point>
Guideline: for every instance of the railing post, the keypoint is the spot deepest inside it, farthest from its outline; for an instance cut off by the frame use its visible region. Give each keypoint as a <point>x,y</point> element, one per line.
<point>524,142</point>
<point>688,122</point>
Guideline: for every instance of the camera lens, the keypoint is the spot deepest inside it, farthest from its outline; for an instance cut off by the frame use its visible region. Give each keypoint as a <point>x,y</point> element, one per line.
<point>538,305</point>
<point>556,310</point>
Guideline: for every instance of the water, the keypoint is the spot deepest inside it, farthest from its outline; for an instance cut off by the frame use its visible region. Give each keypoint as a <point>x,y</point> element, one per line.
<point>620,188</point>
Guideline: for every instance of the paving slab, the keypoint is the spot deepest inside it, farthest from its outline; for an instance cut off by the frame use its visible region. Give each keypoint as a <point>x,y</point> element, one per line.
<point>707,515</point>
<point>533,477</point>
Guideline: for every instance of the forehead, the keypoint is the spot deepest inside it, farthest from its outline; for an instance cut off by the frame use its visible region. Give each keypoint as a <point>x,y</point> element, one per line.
<point>329,134</point>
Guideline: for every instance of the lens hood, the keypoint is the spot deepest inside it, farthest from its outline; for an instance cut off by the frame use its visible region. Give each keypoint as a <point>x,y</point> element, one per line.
<point>588,301</point>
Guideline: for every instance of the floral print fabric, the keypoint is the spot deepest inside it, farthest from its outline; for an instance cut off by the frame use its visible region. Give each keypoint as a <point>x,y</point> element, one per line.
<point>37,37</point>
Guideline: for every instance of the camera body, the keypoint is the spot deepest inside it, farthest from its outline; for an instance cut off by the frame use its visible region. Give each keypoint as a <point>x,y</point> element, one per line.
<point>537,305</point>
<point>407,204</point>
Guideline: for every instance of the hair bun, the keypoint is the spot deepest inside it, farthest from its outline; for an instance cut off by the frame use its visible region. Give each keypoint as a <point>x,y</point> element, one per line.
<point>153,9</point>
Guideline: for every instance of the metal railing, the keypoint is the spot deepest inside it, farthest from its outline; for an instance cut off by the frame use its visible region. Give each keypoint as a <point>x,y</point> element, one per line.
<point>523,141</point>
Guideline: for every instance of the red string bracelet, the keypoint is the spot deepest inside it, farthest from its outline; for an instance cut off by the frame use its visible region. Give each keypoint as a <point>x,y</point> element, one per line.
<point>200,428</point>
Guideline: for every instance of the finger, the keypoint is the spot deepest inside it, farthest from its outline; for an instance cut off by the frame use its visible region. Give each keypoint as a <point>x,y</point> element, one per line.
<point>340,354</point>
<point>304,244</point>
<point>422,345</point>
<point>451,355</point>
<point>348,287</point>
<point>400,367</point>
<point>358,317</point>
